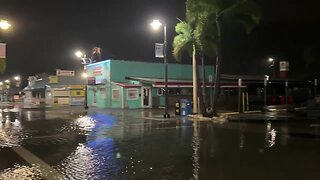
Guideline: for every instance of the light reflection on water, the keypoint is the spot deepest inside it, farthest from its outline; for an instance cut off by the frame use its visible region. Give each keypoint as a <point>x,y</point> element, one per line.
<point>21,172</point>
<point>123,147</point>
<point>196,149</point>
<point>11,132</point>
<point>95,159</point>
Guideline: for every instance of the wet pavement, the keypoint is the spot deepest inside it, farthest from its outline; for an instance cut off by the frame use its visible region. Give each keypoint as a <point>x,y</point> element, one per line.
<point>67,143</point>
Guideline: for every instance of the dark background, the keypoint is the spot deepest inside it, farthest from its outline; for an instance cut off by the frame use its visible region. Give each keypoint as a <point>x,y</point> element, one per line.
<point>46,33</point>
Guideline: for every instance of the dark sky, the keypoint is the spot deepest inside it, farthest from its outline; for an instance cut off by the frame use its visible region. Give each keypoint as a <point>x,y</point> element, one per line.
<point>46,33</point>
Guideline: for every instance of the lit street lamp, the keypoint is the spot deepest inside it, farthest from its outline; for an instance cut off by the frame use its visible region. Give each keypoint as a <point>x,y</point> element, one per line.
<point>85,61</point>
<point>272,61</point>
<point>156,24</point>
<point>83,57</point>
<point>4,25</point>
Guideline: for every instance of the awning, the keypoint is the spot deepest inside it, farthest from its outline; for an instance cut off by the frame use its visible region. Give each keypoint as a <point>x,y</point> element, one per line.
<point>175,83</point>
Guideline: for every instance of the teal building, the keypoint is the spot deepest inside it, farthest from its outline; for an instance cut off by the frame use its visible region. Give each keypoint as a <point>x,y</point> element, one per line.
<point>132,84</point>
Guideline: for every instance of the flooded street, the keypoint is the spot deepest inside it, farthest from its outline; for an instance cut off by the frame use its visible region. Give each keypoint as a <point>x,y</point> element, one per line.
<point>66,143</point>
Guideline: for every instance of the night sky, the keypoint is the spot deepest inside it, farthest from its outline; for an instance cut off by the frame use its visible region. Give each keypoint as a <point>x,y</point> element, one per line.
<point>46,33</point>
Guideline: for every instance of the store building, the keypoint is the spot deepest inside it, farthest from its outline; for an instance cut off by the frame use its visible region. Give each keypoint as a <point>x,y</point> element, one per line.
<point>64,88</point>
<point>132,84</point>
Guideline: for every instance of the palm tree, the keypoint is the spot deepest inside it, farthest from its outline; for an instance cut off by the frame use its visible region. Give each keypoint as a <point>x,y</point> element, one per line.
<point>184,41</point>
<point>191,38</point>
<point>245,12</point>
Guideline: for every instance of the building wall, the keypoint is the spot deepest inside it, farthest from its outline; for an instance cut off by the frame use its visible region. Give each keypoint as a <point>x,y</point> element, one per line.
<point>104,94</point>
<point>130,102</point>
<point>122,69</point>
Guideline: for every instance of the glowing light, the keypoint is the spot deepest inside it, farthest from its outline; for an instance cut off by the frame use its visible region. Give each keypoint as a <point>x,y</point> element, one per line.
<point>4,24</point>
<point>271,59</point>
<point>17,78</point>
<point>84,75</point>
<point>1,83</point>
<point>79,54</point>
<point>7,81</point>
<point>156,24</point>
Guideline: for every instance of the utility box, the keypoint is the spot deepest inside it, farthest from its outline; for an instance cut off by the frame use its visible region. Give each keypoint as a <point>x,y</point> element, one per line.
<point>185,107</point>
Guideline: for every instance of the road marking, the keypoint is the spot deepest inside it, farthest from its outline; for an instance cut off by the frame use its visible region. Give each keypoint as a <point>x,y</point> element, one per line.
<point>46,171</point>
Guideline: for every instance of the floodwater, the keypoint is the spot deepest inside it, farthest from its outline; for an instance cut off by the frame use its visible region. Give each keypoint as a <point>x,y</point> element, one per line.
<point>135,144</point>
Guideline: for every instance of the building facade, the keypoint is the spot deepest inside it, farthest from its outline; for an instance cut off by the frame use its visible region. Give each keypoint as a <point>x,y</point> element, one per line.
<point>132,84</point>
<point>64,88</point>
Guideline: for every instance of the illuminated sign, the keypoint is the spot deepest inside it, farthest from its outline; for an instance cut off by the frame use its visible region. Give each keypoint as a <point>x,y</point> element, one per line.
<point>60,72</point>
<point>97,71</point>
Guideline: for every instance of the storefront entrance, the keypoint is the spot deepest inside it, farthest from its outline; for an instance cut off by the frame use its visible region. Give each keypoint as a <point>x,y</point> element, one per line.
<point>146,97</point>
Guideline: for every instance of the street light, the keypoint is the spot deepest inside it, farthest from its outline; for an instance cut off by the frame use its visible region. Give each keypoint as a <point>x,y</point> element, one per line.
<point>85,61</point>
<point>17,78</point>
<point>272,61</point>
<point>83,57</point>
<point>4,25</point>
<point>156,24</point>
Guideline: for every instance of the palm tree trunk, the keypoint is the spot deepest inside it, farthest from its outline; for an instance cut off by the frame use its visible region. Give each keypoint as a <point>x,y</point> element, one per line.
<point>195,80</point>
<point>204,85</point>
<point>201,97</point>
<point>218,62</point>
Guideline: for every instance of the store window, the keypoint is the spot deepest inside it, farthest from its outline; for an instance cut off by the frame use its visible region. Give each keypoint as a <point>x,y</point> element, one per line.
<point>116,94</point>
<point>132,94</point>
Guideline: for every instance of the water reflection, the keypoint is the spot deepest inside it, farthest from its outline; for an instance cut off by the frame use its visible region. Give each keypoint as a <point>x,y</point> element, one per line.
<point>271,134</point>
<point>95,159</point>
<point>196,149</point>
<point>20,172</point>
<point>10,129</point>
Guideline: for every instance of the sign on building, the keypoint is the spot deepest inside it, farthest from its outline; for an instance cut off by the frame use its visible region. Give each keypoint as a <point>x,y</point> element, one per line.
<point>159,50</point>
<point>2,51</point>
<point>60,72</point>
<point>53,79</point>
<point>97,71</point>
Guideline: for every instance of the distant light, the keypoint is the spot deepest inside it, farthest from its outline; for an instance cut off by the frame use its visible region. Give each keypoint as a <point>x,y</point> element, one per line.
<point>156,24</point>
<point>7,81</point>
<point>4,24</point>
<point>84,75</point>
<point>1,83</point>
<point>271,59</point>
<point>17,78</point>
<point>118,156</point>
<point>49,94</point>
<point>79,54</point>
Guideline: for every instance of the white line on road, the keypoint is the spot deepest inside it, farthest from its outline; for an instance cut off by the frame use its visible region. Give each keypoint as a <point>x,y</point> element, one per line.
<point>46,171</point>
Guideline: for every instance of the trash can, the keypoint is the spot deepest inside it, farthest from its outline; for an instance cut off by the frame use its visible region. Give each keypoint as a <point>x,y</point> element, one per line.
<point>185,107</point>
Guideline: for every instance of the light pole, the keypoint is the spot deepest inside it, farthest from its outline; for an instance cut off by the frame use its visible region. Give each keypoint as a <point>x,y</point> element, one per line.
<point>272,61</point>
<point>265,83</point>
<point>85,61</point>
<point>85,76</point>
<point>156,24</point>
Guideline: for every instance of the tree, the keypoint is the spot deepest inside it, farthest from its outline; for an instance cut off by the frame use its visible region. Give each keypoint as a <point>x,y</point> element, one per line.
<point>245,12</point>
<point>184,41</point>
<point>190,38</point>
